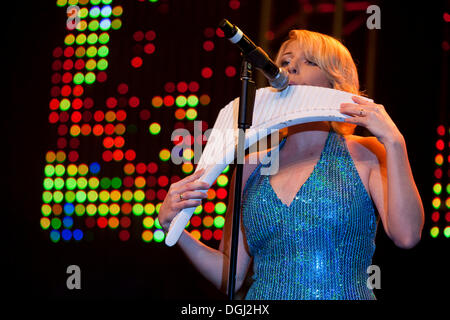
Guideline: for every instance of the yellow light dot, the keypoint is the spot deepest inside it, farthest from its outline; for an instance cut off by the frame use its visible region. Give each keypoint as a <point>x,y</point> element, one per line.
<point>114,209</point>
<point>149,208</point>
<point>187,168</point>
<point>147,236</point>
<point>75,130</point>
<point>115,195</point>
<point>188,154</point>
<point>72,170</point>
<point>148,222</point>
<point>50,157</point>
<point>196,234</point>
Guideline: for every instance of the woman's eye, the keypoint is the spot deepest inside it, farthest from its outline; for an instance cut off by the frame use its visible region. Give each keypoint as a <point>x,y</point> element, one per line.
<point>311,63</point>
<point>284,63</point>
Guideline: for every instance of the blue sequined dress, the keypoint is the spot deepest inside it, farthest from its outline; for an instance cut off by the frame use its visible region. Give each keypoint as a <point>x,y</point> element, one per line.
<point>320,246</point>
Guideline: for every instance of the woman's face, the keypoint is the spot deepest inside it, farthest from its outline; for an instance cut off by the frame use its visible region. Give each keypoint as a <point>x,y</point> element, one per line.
<point>301,71</point>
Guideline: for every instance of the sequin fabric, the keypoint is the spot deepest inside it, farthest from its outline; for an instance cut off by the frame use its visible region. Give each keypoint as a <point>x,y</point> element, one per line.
<point>318,247</point>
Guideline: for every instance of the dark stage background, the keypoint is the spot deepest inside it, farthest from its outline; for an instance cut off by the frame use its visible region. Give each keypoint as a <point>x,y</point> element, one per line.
<point>408,64</point>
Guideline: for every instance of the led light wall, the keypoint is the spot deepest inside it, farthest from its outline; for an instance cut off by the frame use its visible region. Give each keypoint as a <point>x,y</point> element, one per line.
<point>97,184</point>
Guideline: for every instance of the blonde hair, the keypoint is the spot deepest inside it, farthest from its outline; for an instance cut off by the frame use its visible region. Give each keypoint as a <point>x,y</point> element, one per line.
<point>335,61</point>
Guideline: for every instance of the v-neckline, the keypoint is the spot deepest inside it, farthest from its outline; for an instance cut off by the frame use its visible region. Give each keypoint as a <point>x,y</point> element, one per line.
<point>306,181</point>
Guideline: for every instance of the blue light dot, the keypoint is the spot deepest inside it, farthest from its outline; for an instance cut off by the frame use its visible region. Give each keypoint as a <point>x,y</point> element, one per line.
<point>77,234</point>
<point>94,167</point>
<point>54,235</point>
<point>105,24</point>
<point>68,222</point>
<point>106,11</point>
<point>69,208</point>
<point>94,12</point>
<point>66,234</point>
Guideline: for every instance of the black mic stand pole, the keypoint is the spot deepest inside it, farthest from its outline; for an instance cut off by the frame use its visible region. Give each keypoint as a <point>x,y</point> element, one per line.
<point>246,104</point>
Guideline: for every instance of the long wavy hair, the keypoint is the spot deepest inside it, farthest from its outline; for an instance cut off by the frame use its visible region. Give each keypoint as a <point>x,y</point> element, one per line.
<point>334,59</point>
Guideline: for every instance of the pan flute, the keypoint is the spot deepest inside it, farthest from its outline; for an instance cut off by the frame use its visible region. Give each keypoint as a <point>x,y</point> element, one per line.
<point>273,110</point>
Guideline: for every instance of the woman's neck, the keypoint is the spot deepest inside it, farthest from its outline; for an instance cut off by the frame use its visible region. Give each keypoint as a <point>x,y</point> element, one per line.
<point>307,136</point>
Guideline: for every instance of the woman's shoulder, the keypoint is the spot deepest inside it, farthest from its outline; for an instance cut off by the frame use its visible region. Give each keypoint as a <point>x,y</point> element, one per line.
<point>366,148</point>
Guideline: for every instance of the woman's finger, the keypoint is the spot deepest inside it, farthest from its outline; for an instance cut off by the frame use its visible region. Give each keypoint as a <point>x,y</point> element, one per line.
<point>196,185</point>
<point>194,195</point>
<point>187,204</point>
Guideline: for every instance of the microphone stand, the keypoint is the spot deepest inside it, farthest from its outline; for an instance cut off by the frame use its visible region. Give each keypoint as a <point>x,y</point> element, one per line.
<point>246,104</point>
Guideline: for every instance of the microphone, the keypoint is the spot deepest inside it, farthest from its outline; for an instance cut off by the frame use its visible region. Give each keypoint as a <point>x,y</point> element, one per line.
<point>278,77</point>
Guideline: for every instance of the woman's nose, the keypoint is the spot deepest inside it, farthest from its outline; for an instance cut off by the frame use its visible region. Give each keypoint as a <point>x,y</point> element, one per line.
<point>292,70</point>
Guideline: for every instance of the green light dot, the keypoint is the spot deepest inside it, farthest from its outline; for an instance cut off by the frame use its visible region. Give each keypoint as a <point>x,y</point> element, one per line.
<point>71,184</point>
<point>103,51</point>
<point>116,182</point>
<point>138,209</point>
<point>192,101</point>
<point>222,180</point>
<point>80,39</point>
<point>47,197</point>
<point>58,196</point>
<point>78,78</point>
<point>81,196</point>
<point>155,128</point>
<point>220,208</point>
<point>69,196</point>
<point>106,1</point>
<point>83,13</point>
<point>90,78</point>
<point>158,236</point>
<point>58,183</point>
<point>64,105</point>
<point>60,170</point>
<point>105,183</point>
<point>92,38</point>
<point>48,183</point>
<point>82,183</point>
<point>191,114</point>
<point>103,38</point>
<point>448,188</point>
<point>49,170</point>
<point>46,210</point>
<point>103,209</point>
<point>93,25</point>
<point>102,64</point>
<point>198,210</point>
<point>80,209</point>
<point>93,183</point>
<point>181,101</point>
<point>437,188</point>
<point>447,232</point>
<point>104,196</point>
<point>157,224</point>
<point>91,52</point>
<point>434,232</point>
<point>92,196</point>
<point>69,40</point>
<point>91,209</point>
<point>56,223</point>
<point>219,222</point>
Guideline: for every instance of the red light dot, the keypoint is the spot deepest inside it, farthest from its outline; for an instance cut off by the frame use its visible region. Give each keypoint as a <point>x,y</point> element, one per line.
<point>207,234</point>
<point>101,76</point>
<point>77,103</point>
<point>56,65</point>
<point>196,221</point>
<point>141,168</point>
<point>53,117</point>
<point>55,91</point>
<point>107,155</point>
<point>62,129</point>
<point>56,78</point>
<point>73,156</point>
<point>208,45</point>
<point>74,143</point>
<point>109,129</point>
<point>221,193</point>
<point>111,102</point>
<point>88,103</point>
<point>57,52</point>
<point>108,142</point>
<point>447,216</point>
<point>152,167</point>
<point>234,4</point>
<point>163,181</point>
<point>66,90</point>
<point>182,86</point>
<point>150,35</point>
<point>119,142</point>
<point>193,86</point>
<point>136,62</point>
<point>128,182</point>
<point>78,90</point>
<point>130,155</point>
<point>161,194</point>
<point>124,235</point>
<point>168,101</point>
<point>230,71</point>
<point>67,77</point>
<point>219,33</point>
<point>209,207</point>
<point>446,17</point>
<point>218,234</point>
<point>98,130</point>
<point>138,36</point>
<point>87,116</point>
<point>438,173</point>
<point>99,116</point>
<point>207,73</point>
<point>441,130</point>
<point>122,88</point>
<point>133,102</point>
<point>440,144</point>
<point>118,155</point>
<point>64,116</point>
<point>79,64</point>
<point>76,117</point>
<point>54,104</point>
<point>121,115</point>
<point>169,87</point>
<point>144,114</point>
<point>90,222</point>
<point>208,32</point>
<point>125,222</point>
<point>149,48</point>
<point>68,52</point>
<point>68,64</point>
<point>61,143</point>
<point>435,216</point>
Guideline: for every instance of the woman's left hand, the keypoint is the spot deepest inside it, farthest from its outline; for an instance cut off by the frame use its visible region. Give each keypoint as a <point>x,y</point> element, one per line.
<point>373,117</point>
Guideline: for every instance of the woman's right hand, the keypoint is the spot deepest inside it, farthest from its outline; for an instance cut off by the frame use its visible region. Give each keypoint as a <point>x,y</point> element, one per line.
<point>180,196</point>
